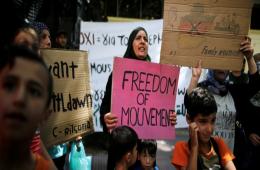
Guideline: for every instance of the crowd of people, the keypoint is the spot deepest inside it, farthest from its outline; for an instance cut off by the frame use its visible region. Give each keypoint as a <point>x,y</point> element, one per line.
<point>231,118</point>
<point>224,102</point>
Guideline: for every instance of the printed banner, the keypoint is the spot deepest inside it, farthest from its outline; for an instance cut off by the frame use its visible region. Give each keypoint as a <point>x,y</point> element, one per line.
<point>71,102</point>
<point>143,97</point>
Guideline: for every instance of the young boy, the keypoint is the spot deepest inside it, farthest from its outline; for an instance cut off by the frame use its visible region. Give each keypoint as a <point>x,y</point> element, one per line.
<point>201,151</point>
<point>25,92</point>
<point>122,152</point>
<point>147,149</point>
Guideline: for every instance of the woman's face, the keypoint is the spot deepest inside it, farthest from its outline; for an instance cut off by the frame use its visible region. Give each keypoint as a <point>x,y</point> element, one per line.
<point>140,45</point>
<point>45,39</point>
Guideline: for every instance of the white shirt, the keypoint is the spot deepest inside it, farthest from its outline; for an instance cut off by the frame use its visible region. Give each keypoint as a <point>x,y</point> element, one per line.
<point>225,119</point>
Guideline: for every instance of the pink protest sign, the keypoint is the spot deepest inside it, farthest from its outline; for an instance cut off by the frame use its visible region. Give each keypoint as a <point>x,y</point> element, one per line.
<point>143,96</point>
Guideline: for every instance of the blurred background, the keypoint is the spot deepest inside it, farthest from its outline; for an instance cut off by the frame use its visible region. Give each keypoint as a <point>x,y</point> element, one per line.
<point>67,14</point>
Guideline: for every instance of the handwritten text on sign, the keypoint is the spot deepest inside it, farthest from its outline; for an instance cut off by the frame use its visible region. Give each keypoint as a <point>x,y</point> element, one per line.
<point>143,97</point>
<point>71,100</point>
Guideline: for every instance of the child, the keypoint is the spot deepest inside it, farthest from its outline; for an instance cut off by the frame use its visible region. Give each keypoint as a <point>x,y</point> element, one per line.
<point>201,151</point>
<point>25,92</point>
<point>146,155</point>
<point>123,148</point>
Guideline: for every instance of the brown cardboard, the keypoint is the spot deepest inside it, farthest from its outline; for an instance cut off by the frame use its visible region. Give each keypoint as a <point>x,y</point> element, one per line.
<point>70,73</point>
<point>211,30</point>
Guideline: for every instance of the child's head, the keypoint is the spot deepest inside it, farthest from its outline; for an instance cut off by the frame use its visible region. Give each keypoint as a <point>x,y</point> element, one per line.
<point>201,109</point>
<point>200,101</point>
<point>25,92</point>
<point>147,153</point>
<point>123,146</point>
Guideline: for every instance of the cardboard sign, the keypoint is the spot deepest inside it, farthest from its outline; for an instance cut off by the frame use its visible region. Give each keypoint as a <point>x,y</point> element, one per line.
<point>143,97</point>
<point>210,30</point>
<point>71,101</point>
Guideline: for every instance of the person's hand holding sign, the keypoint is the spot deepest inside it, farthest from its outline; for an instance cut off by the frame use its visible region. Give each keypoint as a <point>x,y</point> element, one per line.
<point>247,49</point>
<point>110,121</point>
<point>173,118</point>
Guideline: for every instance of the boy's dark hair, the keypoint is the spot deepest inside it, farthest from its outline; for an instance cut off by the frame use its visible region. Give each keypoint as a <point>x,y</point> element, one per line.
<point>10,53</point>
<point>200,100</point>
<point>149,145</point>
<point>62,32</point>
<point>122,140</point>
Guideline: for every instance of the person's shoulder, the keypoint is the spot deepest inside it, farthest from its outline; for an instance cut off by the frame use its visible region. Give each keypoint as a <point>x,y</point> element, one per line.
<point>225,153</point>
<point>224,150</point>
<point>218,140</point>
<point>181,146</point>
<point>43,164</point>
<point>180,155</point>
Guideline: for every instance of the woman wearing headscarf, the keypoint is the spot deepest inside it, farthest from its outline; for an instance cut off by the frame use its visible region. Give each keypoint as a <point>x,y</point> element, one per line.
<point>230,98</point>
<point>137,49</point>
<point>43,34</point>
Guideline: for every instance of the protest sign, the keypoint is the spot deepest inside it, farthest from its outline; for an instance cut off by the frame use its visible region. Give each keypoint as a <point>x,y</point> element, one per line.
<point>104,41</point>
<point>143,97</point>
<point>210,30</point>
<point>71,100</point>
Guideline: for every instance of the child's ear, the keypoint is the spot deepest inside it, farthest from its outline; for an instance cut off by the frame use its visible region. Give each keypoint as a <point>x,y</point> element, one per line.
<point>188,118</point>
<point>128,157</point>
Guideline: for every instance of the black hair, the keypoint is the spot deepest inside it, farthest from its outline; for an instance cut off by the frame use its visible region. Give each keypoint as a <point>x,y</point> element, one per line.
<point>200,100</point>
<point>130,51</point>
<point>11,53</point>
<point>62,32</point>
<point>122,140</point>
<point>13,18</point>
<point>149,145</point>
